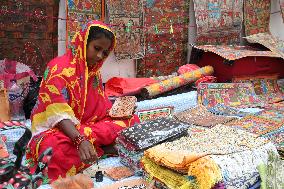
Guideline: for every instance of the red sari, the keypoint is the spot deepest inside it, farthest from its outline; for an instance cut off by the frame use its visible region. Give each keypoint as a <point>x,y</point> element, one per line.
<point>71,90</point>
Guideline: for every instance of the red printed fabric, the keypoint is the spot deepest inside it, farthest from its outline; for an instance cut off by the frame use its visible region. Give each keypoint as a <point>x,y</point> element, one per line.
<point>256,16</point>
<point>218,21</point>
<point>165,51</point>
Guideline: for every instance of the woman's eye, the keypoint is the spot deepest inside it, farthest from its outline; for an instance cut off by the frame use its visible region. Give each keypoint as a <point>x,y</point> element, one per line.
<point>97,48</point>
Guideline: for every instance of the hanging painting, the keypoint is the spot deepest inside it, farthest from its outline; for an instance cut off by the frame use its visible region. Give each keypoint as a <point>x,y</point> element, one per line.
<point>166,26</point>
<point>256,16</point>
<point>28,32</point>
<point>127,21</point>
<point>218,21</point>
<point>79,12</point>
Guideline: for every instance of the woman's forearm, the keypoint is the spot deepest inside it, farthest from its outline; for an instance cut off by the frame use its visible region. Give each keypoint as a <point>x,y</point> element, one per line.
<point>68,128</point>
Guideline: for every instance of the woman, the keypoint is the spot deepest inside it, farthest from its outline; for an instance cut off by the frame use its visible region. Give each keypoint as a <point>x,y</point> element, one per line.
<point>71,114</point>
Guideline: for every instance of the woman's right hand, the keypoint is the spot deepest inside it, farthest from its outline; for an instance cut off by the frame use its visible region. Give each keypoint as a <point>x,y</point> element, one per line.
<point>87,152</point>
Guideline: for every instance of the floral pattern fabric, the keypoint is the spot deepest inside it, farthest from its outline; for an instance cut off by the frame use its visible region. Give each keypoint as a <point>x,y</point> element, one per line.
<point>256,16</point>
<point>219,21</point>
<point>146,115</point>
<point>128,22</point>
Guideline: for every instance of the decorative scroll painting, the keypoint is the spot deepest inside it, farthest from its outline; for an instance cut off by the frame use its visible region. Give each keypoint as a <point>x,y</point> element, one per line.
<point>281,2</point>
<point>256,16</point>
<point>28,34</point>
<point>166,49</point>
<point>235,52</point>
<point>218,21</point>
<point>269,41</point>
<point>79,13</point>
<point>130,41</point>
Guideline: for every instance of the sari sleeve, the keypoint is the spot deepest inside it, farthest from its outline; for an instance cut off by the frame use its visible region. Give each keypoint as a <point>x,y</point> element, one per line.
<point>54,97</point>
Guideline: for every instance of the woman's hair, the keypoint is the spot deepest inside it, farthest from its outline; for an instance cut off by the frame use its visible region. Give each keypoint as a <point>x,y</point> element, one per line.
<point>98,32</point>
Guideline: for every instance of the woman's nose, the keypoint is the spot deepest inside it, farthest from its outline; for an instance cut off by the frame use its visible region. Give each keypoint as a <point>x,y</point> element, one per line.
<point>100,55</point>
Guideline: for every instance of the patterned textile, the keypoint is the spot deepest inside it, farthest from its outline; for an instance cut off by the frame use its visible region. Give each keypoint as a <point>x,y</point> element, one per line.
<point>256,16</point>
<point>165,51</point>
<point>28,33</point>
<point>201,117</point>
<point>269,41</point>
<point>175,82</point>
<point>221,139</point>
<point>272,114</point>
<point>229,94</point>
<point>219,21</point>
<point>3,148</point>
<point>124,17</point>
<point>239,170</point>
<point>281,2</point>
<point>235,52</point>
<point>280,83</point>
<point>118,173</point>
<point>146,115</point>
<point>129,184</point>
<point>79,13</point>
<point>264,85</point>
<point>277,137</point>
<point>180,102</point>
<point>257,125</point>
<point>221,109</point>
<point>277,106</point>
<point>272,172</point>
<point>150,133</point>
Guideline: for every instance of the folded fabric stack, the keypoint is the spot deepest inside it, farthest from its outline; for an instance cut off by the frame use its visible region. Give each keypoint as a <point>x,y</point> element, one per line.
<point>199,116</point>
<point>221,109</point>
<point>132,141</point>
<point>207,159</point>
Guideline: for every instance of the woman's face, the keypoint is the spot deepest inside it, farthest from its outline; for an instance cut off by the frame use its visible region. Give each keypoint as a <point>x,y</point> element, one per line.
<point>98,50</point>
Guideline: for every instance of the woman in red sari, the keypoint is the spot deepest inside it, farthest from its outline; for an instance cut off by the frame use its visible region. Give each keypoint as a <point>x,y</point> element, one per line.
<point>71,114</point>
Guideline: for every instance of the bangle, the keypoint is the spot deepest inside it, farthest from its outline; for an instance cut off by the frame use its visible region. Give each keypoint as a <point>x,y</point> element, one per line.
<point>78,140</point>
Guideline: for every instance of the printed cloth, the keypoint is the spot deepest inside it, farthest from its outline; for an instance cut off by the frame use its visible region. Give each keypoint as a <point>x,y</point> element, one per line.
<point>239,170</point>
<point>269,41</point>
<point>128,22</point>
<point>272,114</point>
<point>219,21</point>
<point>79,13</point>
<point>272,172</point>
<point>221,139</point>
<point>175,82</point>
<point>257,125</point>
<point>229,94</point>
<point>29,34</point>
<point>277,137</point>
<point>277,106</point>
<point>265,86</point>
<point>281,2</point>
<point>67,87</point>
<point>166,23</point>
<point>230,52</point>
<point>147,115</point>
<point>145,135</point>
<point>280,83</point>
<point>3,148</point>
<point>221,109</point>
<point>118,173</point>
<point>129,184</point>
<point>201,117</point>
<point>256,16</point>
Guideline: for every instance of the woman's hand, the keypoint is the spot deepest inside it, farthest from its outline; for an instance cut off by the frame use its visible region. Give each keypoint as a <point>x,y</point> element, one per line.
<point>87,152</point>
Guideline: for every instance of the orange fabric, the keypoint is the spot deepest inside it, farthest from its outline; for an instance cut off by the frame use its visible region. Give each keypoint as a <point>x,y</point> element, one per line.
<point>118,86</point>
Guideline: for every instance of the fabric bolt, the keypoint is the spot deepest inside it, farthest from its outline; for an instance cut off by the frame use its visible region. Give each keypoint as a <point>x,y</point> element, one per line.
<point>118,173</point>
<point>128,22</point>
<point>239,170</point>
<point>28,32</point>
<point>79,13</point>
<point>147,115</point>
<point>218,22</point>
<point>221,139</point>
<point>221,109</point>
<point>257,125</point>
<point>272,172</point>
<point>165,50</point>
<point>175,82</point>
<point>256,16</point>
<point>229,94</point>
<point>230,52</point>
<point>269,41</point>
<point>281,2</point>
<point>145,135</point>
<point>180,102</point>
<point>201,117</point>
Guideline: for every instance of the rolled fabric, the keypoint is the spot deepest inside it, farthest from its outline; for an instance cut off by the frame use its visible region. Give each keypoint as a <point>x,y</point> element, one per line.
<point>175,82</point>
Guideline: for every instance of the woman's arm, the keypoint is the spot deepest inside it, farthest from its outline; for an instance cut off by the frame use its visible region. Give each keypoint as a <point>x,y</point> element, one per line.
<point>86,150</point>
